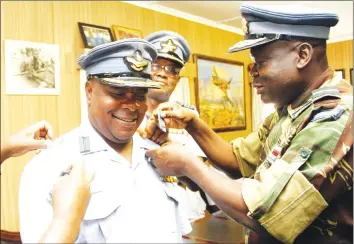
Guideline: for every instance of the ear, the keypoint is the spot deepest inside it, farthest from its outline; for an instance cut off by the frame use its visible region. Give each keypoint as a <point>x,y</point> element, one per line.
<point>88,89</point>
<point>305,52</point>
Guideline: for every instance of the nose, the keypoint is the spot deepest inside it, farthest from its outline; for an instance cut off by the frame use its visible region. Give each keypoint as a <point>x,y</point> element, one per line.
<point>161,72</point>
<point>131,103</point>
<point>252,70</point>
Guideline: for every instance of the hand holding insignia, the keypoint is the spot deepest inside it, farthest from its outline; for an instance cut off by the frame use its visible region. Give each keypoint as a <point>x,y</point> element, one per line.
<point>175,115</point>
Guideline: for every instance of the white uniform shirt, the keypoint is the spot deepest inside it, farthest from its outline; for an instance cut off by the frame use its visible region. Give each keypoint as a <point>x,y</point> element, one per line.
<point>129,202</point>
<point>195,204</point>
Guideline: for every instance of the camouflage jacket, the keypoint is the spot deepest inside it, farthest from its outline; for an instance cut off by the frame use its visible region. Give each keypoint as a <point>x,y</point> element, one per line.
<point>298,168</point>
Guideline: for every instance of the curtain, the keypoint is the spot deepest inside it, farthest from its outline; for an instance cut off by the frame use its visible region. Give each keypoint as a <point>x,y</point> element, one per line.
<point>260,111</point>
<point>181,92</point>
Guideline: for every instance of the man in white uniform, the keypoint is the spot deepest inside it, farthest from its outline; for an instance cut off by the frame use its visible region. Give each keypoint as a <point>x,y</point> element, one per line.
<point>173,53</point>
<point>130,202</point>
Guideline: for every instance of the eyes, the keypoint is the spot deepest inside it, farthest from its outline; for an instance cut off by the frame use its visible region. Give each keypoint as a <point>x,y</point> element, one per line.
<point>140,95</point>
<point>169,68</point>
<point>256,66</point>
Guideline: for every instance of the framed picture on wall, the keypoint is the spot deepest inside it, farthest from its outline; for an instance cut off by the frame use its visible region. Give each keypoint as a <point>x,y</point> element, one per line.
<point>32,68</point>
<point>220,93</point>
<point>340,72</point>
<point>94,35</point>
<point>121,32</point>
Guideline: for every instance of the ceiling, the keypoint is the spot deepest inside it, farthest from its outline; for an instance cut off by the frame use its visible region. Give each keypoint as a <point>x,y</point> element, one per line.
<point>226,14</point>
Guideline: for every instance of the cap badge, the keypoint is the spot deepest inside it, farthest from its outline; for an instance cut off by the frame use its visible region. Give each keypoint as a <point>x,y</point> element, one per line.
<point>244,26</point>
<point>136,62</point>
<point>167,46</point>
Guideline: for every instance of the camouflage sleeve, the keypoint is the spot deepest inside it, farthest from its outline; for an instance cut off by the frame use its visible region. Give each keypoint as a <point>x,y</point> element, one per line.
<point>295,196</point>
<point>248,150</point>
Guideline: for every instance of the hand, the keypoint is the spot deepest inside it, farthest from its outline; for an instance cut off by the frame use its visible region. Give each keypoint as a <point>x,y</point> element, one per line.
<point>71,194</point>
<point>37,136</point>
<point>171,159</point>
<point>153,132</point>
<point>175,116</point>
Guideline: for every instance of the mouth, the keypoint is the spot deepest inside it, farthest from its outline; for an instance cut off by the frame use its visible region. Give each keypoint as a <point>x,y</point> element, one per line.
<point>126,119</point>
<point>258,87</point>
<point>161,80</point>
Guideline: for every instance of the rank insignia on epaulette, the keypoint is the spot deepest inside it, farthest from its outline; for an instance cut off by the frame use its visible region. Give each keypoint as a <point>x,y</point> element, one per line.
<point>167,46</point>
<point>84,143</point>
<point>286,137</point>
<point>136,62</point>
<point>169,179</point>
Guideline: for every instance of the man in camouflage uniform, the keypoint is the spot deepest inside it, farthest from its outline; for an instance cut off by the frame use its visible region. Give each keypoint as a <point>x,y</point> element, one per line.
<point>297,168</point>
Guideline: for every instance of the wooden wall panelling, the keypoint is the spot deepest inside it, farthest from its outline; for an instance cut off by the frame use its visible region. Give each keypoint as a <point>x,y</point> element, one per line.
<point>340,56</point>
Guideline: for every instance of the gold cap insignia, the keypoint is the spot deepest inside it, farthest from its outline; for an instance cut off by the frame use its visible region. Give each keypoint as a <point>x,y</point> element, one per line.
<point>167,46</point>
<point>244,26</point>
<point>136,62</point>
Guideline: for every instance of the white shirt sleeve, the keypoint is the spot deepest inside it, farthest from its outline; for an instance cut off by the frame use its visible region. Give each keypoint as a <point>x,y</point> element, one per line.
<point>35,211</point>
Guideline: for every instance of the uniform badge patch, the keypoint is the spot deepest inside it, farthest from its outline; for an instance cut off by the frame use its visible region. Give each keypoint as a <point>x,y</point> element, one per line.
<point>167,46</point>
<point>136,62</point>
<point>244,26</point>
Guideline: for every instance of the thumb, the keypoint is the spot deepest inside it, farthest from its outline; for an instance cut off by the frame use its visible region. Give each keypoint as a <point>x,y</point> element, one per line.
<point>151,153</point>
<point>38,144</point>
<point>142,132</point>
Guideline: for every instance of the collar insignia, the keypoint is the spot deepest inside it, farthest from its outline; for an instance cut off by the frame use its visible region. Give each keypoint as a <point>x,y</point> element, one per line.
<point>244,26</point>
<point>136,62</point>
<point>167,46</point>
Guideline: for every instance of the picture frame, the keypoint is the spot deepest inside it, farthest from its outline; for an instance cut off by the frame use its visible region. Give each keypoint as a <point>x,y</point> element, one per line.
<point>340,72</point>
<point>121,32</point>
<point>31,68</point>
<point>220,92</point>
<point>94,35</point>
<point>351,75</point>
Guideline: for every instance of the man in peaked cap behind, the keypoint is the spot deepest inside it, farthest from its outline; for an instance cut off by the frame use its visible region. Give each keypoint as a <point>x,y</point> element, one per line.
<point>130,202</point>
<point>297,168</point>
<point>173,52</point>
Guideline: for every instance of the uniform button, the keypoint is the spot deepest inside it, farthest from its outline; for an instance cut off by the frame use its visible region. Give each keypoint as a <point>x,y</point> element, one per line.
<point>267,165</point>
<point>304,153</point>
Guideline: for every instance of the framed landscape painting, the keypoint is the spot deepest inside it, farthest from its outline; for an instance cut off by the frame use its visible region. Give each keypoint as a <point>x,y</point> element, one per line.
<point>220,93</point>
<point>32,68</point>
<point>121,32</point>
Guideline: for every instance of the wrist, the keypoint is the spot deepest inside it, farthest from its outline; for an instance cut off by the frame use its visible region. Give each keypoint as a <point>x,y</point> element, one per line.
<point>192,167</point>
<point>71,221</point>
<point>192,124</point>
<point>5,151</point>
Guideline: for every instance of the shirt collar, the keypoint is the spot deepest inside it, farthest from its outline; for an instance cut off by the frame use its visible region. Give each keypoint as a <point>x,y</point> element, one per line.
<point>326,80</point>
<point>97,144</point>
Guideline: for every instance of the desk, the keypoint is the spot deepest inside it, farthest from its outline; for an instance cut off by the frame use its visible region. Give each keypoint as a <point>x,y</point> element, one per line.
<point>214,230</point>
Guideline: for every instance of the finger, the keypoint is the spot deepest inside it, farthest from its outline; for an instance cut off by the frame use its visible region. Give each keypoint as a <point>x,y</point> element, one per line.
<point>171,114</point>
<point>162,138</point>
<point>42,127</point>
<point>142,132</point>
<point>151,153</point>
<point>70,167</point>
<point>156,135</point>
<point>151,127</point>
<point>166,106</point>
<point>38,144</point>
<point>78,168</point>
